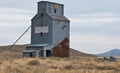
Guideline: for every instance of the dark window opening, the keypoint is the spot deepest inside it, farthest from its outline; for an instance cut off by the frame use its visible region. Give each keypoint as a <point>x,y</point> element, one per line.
<point>55,10</point>
<point>31,54</point>
<point>42,14</point>
<point>41,34</point>
<point>39,54</point>
<point>48,53</point>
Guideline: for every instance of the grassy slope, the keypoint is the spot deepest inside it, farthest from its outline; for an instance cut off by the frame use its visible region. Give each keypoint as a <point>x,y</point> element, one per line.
<point>17,49</point>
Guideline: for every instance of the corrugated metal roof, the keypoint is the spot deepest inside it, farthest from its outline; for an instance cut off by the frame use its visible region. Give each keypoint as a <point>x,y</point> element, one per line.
<point>55,17</point>
<point>58,17</point>
<point>28,50</point>
<point>49,2</point>
<point>38,45</point>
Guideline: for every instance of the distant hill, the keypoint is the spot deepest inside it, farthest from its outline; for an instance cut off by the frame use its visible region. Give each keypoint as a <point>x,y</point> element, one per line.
<point>14,49</point>
<point>74,53</point>
<point>115,52</point>
<point>17,49</point>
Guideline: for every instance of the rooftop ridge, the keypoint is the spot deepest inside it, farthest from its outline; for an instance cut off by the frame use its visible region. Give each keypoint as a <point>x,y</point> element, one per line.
<point>50,2</point>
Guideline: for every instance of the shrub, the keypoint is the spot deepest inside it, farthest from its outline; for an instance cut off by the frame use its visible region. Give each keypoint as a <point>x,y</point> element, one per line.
<point>33,62</point>
<point>68,67</point>
<point>0,63</point>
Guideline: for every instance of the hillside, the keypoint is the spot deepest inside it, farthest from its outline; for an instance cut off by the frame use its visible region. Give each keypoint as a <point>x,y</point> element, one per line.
<point>115,52</point>
<point>19,48</point>
<point>74,53</point>
<point>14,49</point>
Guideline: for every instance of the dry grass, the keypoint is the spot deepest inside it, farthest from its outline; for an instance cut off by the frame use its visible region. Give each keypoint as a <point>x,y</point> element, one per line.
<point>33,62</point>
<point>58,65</point>
<point>12,62</point>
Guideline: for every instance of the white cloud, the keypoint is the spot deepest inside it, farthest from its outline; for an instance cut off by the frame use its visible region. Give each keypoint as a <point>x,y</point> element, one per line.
<point>94,42</point>
<point>95,19</point>
<point>10,38</point>
<point>95,38</point>
<point>15,14</point>
<point>14,18</point>
<point>95,32</point>
<point>13,22</point>
<point>14,10</point>
<point>98,14</point>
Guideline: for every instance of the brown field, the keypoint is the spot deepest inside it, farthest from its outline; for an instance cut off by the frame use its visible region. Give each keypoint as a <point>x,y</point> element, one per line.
<point>12,62</point>
<point>57,65</point>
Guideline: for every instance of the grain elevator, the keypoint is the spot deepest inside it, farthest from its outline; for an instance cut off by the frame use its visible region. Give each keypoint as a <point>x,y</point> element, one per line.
<point>49,32</point>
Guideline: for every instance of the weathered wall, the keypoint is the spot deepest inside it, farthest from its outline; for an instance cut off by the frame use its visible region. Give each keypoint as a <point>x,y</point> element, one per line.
<point>60,31</point>
<point>62,49</point>
<point>39,21</point>
<point>49,7</point>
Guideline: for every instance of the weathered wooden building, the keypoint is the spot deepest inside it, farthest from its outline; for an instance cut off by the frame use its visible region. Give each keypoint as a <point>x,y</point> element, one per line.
<point>49,32</point>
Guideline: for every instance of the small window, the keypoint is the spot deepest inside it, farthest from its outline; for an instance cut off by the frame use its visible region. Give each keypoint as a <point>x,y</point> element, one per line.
<point>42,14</point>
<point>41,34</point>
<point>55,10</point>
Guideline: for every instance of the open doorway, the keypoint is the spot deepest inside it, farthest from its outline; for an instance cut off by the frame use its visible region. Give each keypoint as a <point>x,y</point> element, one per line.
<point>30,54</point>
<point>48,53</point>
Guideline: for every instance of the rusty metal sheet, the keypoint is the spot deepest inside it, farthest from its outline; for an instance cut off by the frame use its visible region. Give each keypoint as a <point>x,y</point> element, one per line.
<point>62,49</point>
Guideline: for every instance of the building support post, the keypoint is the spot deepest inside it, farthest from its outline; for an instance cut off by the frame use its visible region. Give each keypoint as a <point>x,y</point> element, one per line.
<point>44,53</point>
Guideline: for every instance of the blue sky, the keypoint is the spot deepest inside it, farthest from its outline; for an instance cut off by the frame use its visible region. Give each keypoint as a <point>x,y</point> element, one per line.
<point>95,24</point>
